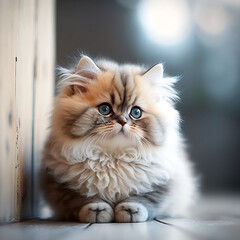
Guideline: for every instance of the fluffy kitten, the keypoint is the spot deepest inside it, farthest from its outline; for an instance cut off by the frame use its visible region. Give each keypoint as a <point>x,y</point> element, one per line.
<point>115,152</point>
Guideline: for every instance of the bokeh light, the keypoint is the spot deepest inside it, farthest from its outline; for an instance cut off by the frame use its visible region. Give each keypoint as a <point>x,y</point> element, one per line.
<point>212,18</point>
<point>165,21</point>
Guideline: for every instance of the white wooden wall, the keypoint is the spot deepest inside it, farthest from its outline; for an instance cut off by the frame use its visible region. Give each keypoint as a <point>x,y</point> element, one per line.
<point>27,54</point>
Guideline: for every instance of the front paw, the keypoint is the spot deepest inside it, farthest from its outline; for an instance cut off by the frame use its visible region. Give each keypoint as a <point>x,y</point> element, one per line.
<point>130,212</point>
<point>99,212</point>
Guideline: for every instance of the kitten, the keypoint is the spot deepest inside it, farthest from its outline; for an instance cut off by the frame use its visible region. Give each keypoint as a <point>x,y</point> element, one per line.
<point>114,152</point>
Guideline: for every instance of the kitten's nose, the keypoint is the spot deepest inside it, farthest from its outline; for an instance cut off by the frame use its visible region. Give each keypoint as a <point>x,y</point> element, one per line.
<point>122,120</point>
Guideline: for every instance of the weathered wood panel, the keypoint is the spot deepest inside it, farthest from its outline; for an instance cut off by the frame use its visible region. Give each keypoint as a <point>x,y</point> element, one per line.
<point>25,62</point>
<point>8,118</point>
<point>26,51</point>
<point>44,88</point>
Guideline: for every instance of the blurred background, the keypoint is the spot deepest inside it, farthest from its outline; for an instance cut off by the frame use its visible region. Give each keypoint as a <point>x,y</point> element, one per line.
<point>198,40</point>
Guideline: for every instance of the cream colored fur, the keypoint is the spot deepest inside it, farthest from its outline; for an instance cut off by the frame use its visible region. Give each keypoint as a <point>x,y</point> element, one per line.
<point>114,168</point>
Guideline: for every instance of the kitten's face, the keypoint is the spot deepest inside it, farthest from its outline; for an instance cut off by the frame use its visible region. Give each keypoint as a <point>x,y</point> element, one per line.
<point>116,106</point>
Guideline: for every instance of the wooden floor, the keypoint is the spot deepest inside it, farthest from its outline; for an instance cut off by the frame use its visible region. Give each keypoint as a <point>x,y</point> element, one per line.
<point>215,218</point>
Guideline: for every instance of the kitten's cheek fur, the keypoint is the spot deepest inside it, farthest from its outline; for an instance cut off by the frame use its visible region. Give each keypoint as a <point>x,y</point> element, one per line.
<point>130,212</point>
<point>100,212</point>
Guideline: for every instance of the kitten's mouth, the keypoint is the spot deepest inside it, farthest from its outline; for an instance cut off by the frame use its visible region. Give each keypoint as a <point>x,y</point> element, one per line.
<point>121,131</point>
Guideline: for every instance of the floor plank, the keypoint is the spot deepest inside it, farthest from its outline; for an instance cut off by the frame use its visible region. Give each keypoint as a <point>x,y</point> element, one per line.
<point>215,218</point>
<point>134,231</point>
<point>39,230</point>
<point>74,231</point>
<point>208,229</point>
<point>217,207</point>
<point>170,229</point>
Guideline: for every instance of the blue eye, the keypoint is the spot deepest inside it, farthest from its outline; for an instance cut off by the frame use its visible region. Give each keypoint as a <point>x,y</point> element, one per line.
<point>136,112</point>
<point>105,108</point>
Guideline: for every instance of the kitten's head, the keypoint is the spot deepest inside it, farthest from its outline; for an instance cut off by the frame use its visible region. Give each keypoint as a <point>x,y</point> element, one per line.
<point>114,105</point>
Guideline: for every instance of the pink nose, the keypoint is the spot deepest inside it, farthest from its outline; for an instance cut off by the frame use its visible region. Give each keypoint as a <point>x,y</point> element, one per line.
<point>122,122</point>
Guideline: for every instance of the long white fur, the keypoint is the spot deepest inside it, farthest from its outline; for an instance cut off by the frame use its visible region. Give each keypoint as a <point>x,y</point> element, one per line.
<point>117,173</point>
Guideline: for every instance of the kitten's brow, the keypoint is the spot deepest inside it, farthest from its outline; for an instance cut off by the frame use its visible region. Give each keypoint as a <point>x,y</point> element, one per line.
<point>116,90</point>
<point>129,98</point>
<point>124,78</point>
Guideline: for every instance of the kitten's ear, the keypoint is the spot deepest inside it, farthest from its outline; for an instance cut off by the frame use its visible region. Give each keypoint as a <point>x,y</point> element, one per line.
<point>154,74</point>
<point>87,68</point>
<point>77,81</point>
<point>162,86</point>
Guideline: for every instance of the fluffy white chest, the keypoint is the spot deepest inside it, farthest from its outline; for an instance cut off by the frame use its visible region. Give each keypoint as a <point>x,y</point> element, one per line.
<point>112,177</point>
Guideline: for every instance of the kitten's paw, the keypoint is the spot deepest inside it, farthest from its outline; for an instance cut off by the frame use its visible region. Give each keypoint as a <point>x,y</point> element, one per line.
<point>99,212</point>
<point>130,212</point>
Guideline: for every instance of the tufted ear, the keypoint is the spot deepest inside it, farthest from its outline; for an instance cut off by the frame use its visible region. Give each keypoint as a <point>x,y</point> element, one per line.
<point>154,74</point>
<point>162,86</point>
<point>87,68</point>
<point>77,80</point>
